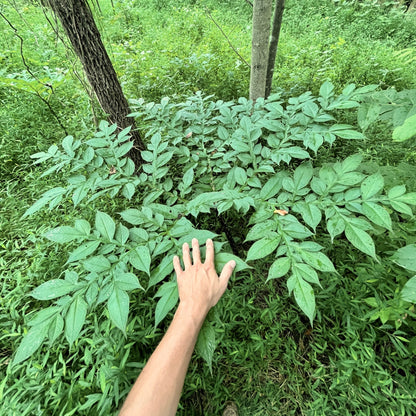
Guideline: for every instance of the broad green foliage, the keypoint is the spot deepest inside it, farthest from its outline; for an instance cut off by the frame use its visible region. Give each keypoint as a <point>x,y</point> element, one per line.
<point>406,257</point>
<point>395,108</point>
<point>202,157</point>
<point>406,131</point>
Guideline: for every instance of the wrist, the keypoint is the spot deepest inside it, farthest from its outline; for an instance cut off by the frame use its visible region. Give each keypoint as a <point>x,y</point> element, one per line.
<point>187,311</point>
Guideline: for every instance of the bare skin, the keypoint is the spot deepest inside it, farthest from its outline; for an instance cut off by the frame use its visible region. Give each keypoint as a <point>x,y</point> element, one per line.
<point>157,390</point>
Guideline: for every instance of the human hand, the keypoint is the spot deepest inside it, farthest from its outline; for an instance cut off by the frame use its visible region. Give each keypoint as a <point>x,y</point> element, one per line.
<point>199,286</point>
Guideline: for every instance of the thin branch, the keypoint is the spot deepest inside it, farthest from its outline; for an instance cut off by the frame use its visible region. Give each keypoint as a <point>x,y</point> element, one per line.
<point>226,37</point>
<point>16,8</point>
<point>16,33</point>
<point>249,2</point>
<point>47,85</point>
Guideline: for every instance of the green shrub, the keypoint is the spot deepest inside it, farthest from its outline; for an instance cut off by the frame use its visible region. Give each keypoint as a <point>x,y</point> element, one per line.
<point>207,163</point>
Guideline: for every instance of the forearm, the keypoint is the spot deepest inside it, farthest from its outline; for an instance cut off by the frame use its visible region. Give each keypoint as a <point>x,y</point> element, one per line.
<point>159,386</point>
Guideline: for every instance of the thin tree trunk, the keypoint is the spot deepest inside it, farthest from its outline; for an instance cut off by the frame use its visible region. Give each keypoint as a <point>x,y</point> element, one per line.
<point>262,11</point>
<point>274,41</point>
<point>78,23</point>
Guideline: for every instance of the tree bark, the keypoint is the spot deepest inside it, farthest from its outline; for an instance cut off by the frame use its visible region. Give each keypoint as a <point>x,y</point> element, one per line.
<point>274,41</point>
<point>412,7</point>
<point>79,25</point>
<point>262,11</point>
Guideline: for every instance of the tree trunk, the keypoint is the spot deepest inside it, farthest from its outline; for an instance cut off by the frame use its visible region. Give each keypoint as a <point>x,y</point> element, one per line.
<point>78,23</point>
<point>262,11</point>
<point>274,41</point>
<point>412,6</point>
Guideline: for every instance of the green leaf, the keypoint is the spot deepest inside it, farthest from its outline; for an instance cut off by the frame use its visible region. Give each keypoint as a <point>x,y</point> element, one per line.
<point>261,229</point>
<point>263,248</point>
<point>335,226</point>
<point>31,342</point>
<point>294,228</point>
<point>406,257</point>
<point>348,134</point>
<point>168,294</point>
<point>75,319</point>
<point>92,293</point>
<point>401,207</point>
<point>205,344</point>
<point>126,281</point>
<point>409,198</point>
<point>105,225</point>
<point>181,227</point>
<point>327,90</point>
<point>83,251</point>
<point>122,234</point>
<point>97,142</point>
<point>306,272</point>
<point>396,191</point>
<point>372,185</point>
<point>360,239</point>
<point>221,259</point>
<point>271,187</point>
<point>302,175</point>
<point>140,259</point>
<point>97,264</point>
<point>64,234</point>
<point>351,163</point>
<point>67,144</point>
<point>83,226</point>
<point>164,268</point>
<point>311,214</point>
<point>201,235</point>
<point>44,315</point>
<point>52,289</point>
<point>188,178</point>
<point>46,197</point>
<point>406,131</point>
<point>240,175</point>
<point>132,216</point>
<point>118,308</point>
<point>318,261</point>
<point>408,292</point>
<point>128,190</point>
<point>56,328</point>
<point>279,268</point>
<point>304,296</point>
<point>377,214</point>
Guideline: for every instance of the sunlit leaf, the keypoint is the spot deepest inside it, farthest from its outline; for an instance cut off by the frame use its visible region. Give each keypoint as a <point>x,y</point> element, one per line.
<point>406,257</point>
<point>118,307</point>
<point>360,239</point>
<point>263,248</point>
<point>168,294</point>
<point>75,319</point>
<point>205,345</point>
<point>52,289</point>
<point>105,225</point>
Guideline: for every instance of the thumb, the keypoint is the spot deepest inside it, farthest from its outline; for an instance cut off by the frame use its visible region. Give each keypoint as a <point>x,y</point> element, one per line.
<point>226,273</point>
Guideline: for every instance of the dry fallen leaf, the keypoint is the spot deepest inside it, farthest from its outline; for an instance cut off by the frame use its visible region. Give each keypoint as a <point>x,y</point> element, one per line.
<point>112,170</point>
<point>280,212</point>
<point>189,135</point>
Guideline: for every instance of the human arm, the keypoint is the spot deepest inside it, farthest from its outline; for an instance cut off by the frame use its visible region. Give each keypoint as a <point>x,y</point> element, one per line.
<point>157,390</point>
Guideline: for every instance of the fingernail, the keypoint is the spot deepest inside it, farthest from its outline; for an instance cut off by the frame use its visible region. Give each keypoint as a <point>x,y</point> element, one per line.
<point>233,264</point>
